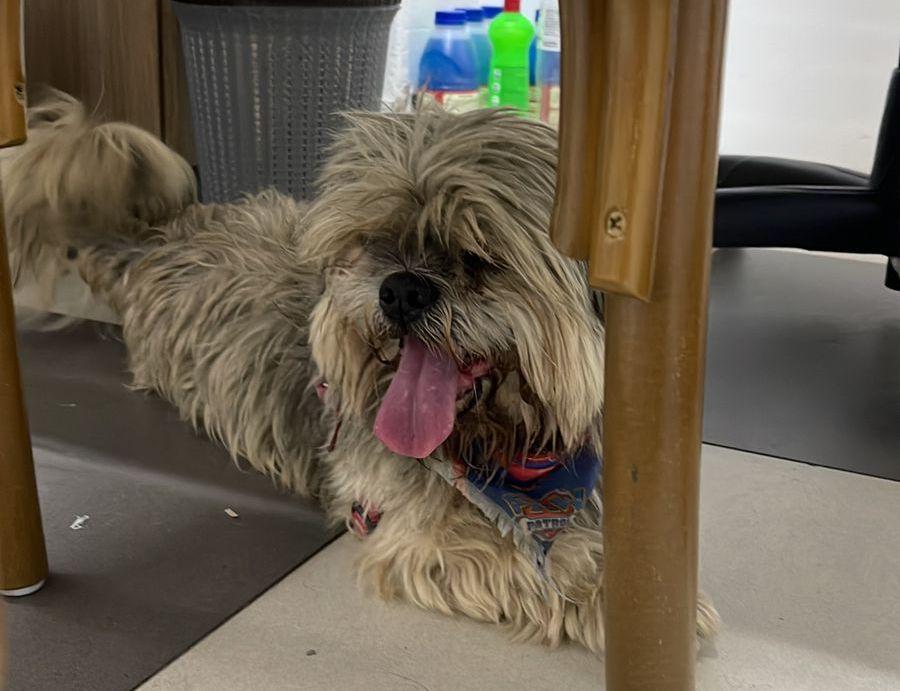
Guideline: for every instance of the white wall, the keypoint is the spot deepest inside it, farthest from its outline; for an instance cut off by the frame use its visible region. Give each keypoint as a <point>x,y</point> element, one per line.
<point>807,78</point>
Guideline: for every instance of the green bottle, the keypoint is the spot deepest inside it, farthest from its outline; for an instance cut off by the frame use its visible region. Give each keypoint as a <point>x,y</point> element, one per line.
<point>510,34</point>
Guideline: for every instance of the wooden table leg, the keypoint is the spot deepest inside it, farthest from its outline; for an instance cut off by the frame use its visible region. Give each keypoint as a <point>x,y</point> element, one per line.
<point>655,357</point>
<point>23,557</point>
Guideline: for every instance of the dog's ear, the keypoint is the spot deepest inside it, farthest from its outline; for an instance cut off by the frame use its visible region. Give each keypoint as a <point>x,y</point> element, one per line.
<point>597,303</point>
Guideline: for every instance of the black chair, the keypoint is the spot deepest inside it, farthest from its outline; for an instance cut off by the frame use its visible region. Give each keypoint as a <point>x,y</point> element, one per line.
<point>772,202</point>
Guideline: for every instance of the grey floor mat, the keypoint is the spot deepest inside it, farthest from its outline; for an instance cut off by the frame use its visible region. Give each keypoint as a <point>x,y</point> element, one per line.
<point>158,563</point>
<point>804,360</point>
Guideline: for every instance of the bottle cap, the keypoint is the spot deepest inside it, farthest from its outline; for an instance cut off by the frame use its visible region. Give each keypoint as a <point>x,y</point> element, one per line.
<point>449,18</point>
<point>474,15</point>
<point>512,5</point>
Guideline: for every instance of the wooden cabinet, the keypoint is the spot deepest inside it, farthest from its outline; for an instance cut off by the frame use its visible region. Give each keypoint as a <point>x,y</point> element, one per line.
<point>121,57</point>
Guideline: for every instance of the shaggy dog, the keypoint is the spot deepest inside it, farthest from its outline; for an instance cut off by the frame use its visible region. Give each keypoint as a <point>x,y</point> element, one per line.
<point>414,314</point>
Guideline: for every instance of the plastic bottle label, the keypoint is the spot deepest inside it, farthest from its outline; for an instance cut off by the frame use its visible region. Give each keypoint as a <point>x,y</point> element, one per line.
<point>458,101</point>
<point>498,96</point>
<point>549,106</point>
<point>550,38</point>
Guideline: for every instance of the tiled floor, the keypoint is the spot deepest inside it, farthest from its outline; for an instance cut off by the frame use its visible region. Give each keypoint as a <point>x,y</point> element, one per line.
<point>803,562</point>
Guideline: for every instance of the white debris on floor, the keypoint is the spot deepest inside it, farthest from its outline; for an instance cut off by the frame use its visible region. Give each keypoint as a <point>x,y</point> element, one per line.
<point>79,522</point>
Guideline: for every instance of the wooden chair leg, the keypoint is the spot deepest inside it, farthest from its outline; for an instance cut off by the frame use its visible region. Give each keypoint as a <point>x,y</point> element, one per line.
<point>655,352</point>
<point>23,557</point>
<point>3,663</point>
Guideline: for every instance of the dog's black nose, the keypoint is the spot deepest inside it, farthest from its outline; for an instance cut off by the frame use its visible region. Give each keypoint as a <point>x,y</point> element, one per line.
<point>404,297</point>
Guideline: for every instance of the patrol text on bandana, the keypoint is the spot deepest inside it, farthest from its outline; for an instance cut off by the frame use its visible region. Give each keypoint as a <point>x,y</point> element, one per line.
<point>536,497</point>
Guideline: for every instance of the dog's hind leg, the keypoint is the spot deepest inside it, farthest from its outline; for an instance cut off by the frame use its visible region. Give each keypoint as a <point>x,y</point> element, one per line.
<point>78,184</point>
<point>212,301</point>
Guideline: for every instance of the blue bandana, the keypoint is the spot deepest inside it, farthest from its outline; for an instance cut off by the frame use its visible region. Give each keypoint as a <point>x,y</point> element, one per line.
<point>535,498</point>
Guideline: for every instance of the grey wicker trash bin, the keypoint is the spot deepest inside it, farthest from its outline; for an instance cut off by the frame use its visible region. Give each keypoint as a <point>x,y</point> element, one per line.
<point>266,80</point>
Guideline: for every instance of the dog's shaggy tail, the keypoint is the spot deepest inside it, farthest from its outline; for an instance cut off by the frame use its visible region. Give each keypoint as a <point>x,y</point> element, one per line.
<point>80,187</point>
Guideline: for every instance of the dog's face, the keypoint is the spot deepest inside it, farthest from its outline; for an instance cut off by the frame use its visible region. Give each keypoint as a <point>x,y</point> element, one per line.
<point>447,317</point>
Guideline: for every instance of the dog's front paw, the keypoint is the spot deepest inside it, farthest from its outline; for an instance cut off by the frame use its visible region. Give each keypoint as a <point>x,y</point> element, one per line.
<point>583,623</point>
<point>708,620</point>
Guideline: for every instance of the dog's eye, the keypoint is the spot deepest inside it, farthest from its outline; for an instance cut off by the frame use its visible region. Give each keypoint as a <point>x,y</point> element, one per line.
<point>474,264</point>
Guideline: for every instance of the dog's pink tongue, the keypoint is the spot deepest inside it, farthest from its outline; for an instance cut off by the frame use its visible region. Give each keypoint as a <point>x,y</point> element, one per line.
<point>418,412</point>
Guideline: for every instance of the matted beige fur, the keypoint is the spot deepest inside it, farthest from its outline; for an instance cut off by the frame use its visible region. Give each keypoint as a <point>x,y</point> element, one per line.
<point>234,311</point>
